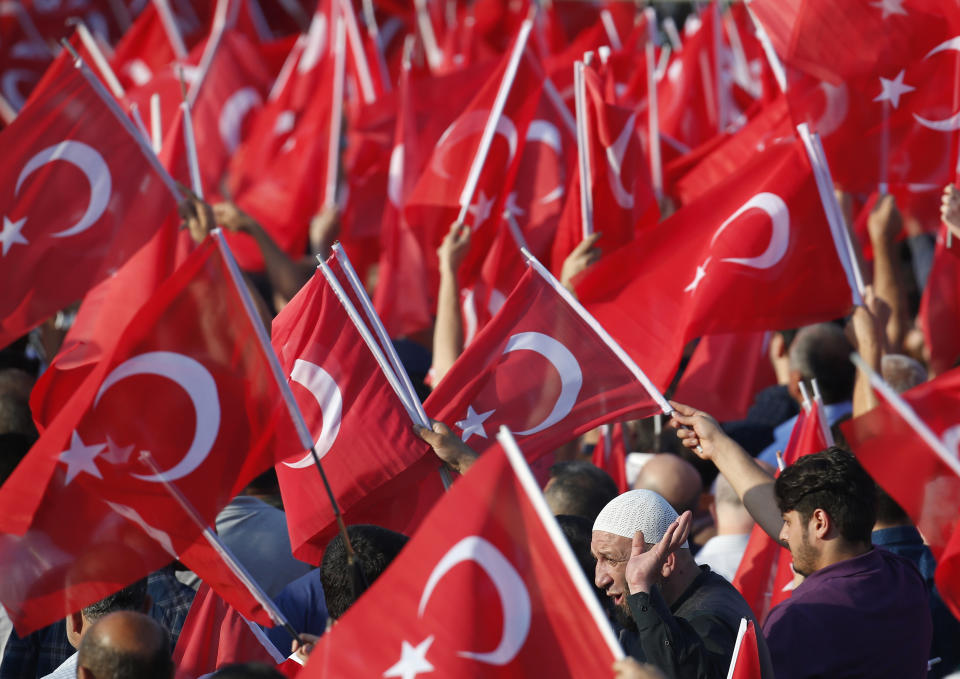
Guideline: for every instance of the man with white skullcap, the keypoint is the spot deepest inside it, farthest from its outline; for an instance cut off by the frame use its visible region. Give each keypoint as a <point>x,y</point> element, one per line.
<point>675,615</point>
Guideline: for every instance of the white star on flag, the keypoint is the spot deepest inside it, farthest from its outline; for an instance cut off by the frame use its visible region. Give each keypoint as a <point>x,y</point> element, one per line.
<point>413,660</point>
<point>512,207</point>
<point>117,454</point>
<point>701,272</point>
<point>473,424</point>
<point>893,89</point>
<point>80,457</point>
<point>889,7</point>
<point>481,209</point>
<point>11,235</point>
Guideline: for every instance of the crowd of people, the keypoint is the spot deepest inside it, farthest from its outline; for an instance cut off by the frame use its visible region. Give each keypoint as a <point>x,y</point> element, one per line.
<point>662,534</point>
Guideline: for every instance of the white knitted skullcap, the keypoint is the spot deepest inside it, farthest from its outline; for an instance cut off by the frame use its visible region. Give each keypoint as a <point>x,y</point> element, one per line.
<point>635,510</point>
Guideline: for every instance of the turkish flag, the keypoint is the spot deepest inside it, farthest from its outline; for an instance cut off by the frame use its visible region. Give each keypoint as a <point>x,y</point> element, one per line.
<point>364,435</point>
<point>540,368</point>
<point>928,488</point>
<point>189,381</point>
<point>757,245</point>
<point>610,454</point>
<point>725,373</point>
<point>746,657</point>
<point>620,193</point>
<point>214,635</point>
<point>110,198</point>
<point>764,576</point>
<point>143,50</point>
<point>480,590</point>
<point>940,308</point>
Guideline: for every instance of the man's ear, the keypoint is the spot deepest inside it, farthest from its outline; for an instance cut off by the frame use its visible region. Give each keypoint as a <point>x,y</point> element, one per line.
<point>669,565</point>
<point>74,624</point>
<point>820,523</point>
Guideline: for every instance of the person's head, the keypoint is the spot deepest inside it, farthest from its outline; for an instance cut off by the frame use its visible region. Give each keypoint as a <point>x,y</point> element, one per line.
<point>673,478</point>
<point>822,352</point>
<point>375,548</point>
<point>729,514</point>
<point>578,488</point>
<point>829,507</point>
<point>902,372</point>
<point>612,539</point>
<point>578,532</point>
<point>131,598</point>
<point>125,645</point>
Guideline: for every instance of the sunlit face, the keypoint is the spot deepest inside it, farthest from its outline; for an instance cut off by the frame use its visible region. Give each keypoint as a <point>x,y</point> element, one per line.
<point>612,553</point>
<point>796,533</point>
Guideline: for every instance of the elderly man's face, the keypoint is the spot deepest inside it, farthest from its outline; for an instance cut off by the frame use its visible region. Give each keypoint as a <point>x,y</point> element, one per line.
<point>612,553</point>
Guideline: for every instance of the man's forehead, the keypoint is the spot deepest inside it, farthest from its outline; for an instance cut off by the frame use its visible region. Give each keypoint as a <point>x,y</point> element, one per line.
<point>601,540</point>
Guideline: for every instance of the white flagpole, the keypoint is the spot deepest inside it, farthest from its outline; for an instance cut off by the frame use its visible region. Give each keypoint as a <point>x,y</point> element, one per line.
<point>779,72</point>
<point>535,495</point>
<point>903,409</point>
<point>486,139</point>
<point>427,36</point>
<point>723,114</point>
<point>583,149</point>
<point>673,35</point>
<point>736,647</point>
<point>838,229</point>
<point>156,124</point>
<point>373,30</point>
<point>336,116</point>
<point>138,121</point>
<point>99,60</point>
<point>171,29</point>
<point>610,28</point>
<point>193,162</point>
<point>818,403</point>
<point>806,399</point>
<point>359,56</point>
<point>653,113</point>
<point>601,332</point>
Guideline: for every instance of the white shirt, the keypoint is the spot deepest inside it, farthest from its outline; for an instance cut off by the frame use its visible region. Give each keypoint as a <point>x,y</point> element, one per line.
<point>67,669</point>
<point>723,553</point>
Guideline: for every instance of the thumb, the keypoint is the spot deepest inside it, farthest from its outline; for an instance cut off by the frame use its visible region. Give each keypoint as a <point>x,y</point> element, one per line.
<point>636,549</point>
<point>432,438</point>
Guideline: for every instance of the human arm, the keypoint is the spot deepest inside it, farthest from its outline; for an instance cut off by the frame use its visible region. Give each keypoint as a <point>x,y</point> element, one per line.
<point>448,331</point>
<point>883,225</point>
<point>751,482</point>
<point>448,447</point>
<point>865,335</point>
<point>579,259</point>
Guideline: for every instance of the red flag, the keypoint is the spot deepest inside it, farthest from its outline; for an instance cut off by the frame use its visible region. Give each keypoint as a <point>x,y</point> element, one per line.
<point>771,263</point>
<point>725,373</point>
<point>940,308</point>
<point>764,576</point>
<point>342,391</point>
<point>543,367</point>
<point>746,654</point>
<point>927,486</point>
<point>610,454</point>
<point>83,514</point>
<point>214,635</point>
<point>486,587</point>
<point>143,50</point>
<point>111,196</point>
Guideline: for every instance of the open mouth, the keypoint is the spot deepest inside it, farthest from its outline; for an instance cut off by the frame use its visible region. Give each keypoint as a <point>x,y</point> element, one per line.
<point>617,599</point>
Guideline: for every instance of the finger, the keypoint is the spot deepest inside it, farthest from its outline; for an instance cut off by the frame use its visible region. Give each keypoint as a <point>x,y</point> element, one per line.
<point>636,548</point>
<point>684,523</point>
<point>432,438</point>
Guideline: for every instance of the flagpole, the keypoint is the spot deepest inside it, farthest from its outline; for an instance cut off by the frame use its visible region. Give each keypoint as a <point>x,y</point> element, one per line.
<point>673,35</point>
<point>156,124</point>
<point>908,414</point>
<point>776,66</point>
<point>653,113</point>
<point>237,568</point>
<point>736,647</point>
<point>193,162</point>
<point>409,399</point>
<point>336,111</point>
<point>583,150</point>
<point>499,102</point>
<point>601,332</point>
<point>373,30</point>
<point>171,29</point>
<point>299,424</point>
<point>99,60</point>
<point>838,229</point>
<point>427,36</point>
<point>359,56</point>
<point>535,496</point>
<point>818,403</point>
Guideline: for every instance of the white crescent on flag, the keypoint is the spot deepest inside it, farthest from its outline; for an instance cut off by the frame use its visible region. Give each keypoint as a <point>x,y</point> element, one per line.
<point>324,389</point>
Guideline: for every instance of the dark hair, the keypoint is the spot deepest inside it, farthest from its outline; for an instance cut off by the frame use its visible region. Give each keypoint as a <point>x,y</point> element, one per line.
<point>822,351</point>
<point>888,511</point>
<point>580,488</point>
<point>130,598</point>
<point>375,548</point>
<point>579,532</point>
<point>150,661</point>
<point>831,480</point>
<point>248,670</point>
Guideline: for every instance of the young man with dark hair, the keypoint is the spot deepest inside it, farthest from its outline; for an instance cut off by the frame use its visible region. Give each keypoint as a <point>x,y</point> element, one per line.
<point>860,611</point>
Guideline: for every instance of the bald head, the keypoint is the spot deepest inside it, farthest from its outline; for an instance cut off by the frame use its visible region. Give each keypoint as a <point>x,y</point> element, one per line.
<point>672,477</point>
<point>125,645</point>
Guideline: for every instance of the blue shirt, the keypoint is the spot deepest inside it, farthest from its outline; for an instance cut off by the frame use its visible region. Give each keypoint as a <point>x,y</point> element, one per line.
<point>781,433</point>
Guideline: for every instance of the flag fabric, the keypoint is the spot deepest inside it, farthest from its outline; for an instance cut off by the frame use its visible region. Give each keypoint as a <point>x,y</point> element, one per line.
<point>770,263</point>
<point>111,197</point>
<point>364,435</point>
<point>610,454</point>
<point>214,635</point>
<point>764,576</point>
<point>540,367</point>
<point>725,373</point>
<point>939,316</point>
<point>746,655</point>
<point>191,382</point>
<point>481,588</point>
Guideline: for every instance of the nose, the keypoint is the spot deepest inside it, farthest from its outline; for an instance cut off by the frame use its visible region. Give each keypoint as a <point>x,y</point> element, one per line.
<point>601,578</point>
<point>783,534</point>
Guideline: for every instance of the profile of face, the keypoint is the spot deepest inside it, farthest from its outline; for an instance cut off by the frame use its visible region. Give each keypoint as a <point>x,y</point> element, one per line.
<point>612,553</point>
<point>796,533</point>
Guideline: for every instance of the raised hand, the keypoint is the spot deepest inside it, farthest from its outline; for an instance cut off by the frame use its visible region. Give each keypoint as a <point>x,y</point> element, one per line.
<point>647,566</point>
